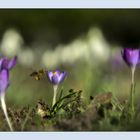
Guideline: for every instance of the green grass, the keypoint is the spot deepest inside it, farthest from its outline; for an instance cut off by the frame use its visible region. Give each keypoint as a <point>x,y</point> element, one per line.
<point>102,106</point>
<point>103,112</point>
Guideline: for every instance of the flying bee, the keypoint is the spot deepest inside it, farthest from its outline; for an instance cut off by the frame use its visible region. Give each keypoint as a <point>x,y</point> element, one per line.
<point>38,75</point>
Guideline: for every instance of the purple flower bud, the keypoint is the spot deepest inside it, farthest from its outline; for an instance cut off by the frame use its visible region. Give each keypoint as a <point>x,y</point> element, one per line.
<point>5,66</point>
<point>56,77</point>
<point>4,80</point>
<point>131,56</point>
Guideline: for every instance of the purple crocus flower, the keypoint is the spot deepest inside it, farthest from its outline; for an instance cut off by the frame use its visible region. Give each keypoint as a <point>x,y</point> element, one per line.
<point>131,56</point>
<point>4,81</point>
<point>5,66</point>
<point>56,77</point>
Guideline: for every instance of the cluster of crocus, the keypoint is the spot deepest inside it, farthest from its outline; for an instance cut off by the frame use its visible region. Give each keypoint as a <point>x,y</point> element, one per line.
<point>55,78</point>
<point>5,66</point>
<point>132,59</point>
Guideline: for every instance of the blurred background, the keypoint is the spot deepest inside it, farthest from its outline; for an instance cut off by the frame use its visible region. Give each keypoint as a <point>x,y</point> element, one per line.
<point>85,43</point>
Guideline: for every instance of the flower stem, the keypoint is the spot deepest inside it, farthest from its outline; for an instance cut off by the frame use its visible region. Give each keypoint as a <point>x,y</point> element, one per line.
<point>5,111</point>
<point>133,75</point>
<point>132,92</point>
<point>54,94</point>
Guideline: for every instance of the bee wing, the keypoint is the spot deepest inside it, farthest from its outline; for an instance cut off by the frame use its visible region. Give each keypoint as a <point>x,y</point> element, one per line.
<point>41,73</point>
<point>34,73</point>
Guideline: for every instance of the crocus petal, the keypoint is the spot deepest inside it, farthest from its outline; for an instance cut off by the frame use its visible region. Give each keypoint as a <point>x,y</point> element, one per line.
<point>4,80</point>
<point>131,56</point>
<point>62,76</point>
<point>139,56</point>
<point>124,56</point>
<point>55,79</point>
<point>58,72</point>
<point>8,64</point>
<point>49,75</point>
<point>2,60</point>
<point>12,62</point>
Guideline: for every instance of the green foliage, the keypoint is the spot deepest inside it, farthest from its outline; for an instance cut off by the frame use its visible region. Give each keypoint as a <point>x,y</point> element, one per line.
<point>70,113</point>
